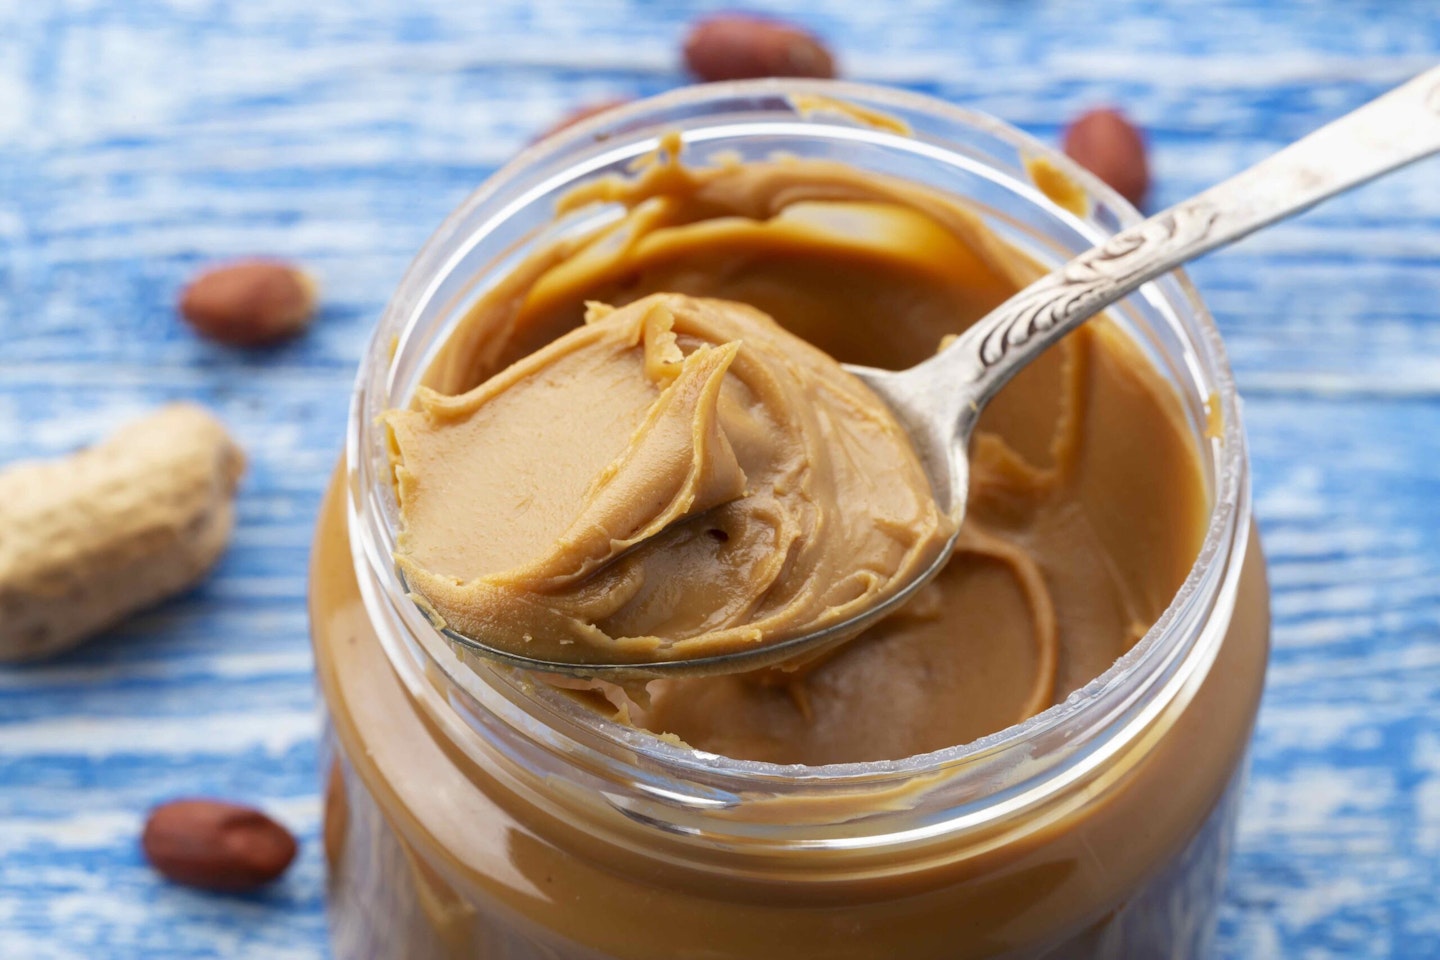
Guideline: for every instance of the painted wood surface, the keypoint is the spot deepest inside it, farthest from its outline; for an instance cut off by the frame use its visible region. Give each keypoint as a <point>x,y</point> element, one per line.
<point>140,138</point>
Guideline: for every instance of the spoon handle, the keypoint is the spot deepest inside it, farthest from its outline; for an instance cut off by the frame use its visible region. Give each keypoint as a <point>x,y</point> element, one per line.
<point>1400,127</point>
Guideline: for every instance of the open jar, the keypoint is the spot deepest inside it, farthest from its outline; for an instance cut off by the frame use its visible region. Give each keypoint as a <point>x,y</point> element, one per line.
<point>473,811</point>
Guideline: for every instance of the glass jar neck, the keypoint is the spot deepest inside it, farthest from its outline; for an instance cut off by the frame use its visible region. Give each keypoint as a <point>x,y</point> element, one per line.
<point>548,748</point>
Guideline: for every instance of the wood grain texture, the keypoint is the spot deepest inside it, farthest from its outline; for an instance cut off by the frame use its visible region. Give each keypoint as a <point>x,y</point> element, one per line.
<point>141,138</point>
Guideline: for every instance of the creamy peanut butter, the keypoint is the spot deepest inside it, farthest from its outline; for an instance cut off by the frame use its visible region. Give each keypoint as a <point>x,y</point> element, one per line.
<point>449,837</point>
<point>1085,512</point>
<point>677,478</point>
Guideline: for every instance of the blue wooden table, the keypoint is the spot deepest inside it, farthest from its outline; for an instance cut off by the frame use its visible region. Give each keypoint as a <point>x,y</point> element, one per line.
<point>141,138</point>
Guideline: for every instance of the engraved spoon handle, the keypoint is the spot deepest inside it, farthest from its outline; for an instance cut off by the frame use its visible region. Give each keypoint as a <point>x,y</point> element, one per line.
<point>1400,127</point>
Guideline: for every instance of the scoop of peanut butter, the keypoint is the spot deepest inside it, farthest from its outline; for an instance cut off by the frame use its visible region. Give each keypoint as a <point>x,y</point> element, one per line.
<point>676,479</point>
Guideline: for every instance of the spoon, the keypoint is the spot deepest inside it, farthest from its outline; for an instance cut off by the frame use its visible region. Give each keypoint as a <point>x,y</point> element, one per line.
<point>939,400</point>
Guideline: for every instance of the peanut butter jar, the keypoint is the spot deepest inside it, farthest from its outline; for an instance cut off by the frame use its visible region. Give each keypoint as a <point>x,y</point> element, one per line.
<point>476,812</point>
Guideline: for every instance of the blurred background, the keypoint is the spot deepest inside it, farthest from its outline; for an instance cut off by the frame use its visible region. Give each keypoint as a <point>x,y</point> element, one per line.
<point>141,140</point>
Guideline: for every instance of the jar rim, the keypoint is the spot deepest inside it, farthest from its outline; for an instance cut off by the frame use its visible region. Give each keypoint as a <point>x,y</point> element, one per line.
<point>1160,650</point>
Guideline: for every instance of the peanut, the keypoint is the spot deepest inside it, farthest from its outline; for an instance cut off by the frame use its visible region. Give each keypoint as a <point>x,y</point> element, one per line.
<point>1109,146</point>
<point>216,845</point>
<point>249,303</point>
<point>87,539</point>
<point>740,47</point>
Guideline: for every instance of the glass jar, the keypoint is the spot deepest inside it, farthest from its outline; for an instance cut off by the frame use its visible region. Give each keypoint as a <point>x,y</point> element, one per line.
<point>472,812</point>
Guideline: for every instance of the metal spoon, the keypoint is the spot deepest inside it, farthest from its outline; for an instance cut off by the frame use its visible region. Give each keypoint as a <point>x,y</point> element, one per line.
<point>939,401</point>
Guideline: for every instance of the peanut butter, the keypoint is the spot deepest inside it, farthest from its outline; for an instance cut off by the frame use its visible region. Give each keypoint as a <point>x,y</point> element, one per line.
<point>678,478</point>
<point>454,832</point>
<point>1085,512</point>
